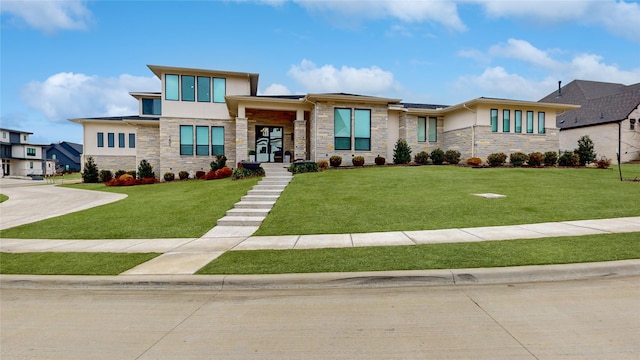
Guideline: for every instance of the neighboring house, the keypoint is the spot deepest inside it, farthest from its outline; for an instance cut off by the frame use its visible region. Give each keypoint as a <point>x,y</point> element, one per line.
<point>66,156</point>
<point>609,114</point>
<point>19,157</point>
<point>201,113</point>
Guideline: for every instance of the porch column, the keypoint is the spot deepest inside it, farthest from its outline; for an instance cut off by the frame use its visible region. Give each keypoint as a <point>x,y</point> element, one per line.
<point>300,139</point>
<point>242,129</point>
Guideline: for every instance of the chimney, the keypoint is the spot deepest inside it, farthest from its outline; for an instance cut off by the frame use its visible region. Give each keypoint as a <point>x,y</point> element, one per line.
<point>559,87</point>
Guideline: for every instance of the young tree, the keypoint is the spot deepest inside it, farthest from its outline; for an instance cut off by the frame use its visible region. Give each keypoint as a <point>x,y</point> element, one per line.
<point>90,173</point>
<point>585,150</point>
<point>145,170</point>
<point>402,152</point>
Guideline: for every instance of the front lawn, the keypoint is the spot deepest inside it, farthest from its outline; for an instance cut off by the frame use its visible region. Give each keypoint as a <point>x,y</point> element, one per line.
<point>74,263</point>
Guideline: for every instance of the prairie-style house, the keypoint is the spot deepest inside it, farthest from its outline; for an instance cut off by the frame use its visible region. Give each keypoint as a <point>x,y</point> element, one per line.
<point>20,157</point>
<point>201,113</point>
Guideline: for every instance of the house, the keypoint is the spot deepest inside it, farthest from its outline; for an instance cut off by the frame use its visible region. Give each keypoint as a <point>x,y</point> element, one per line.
<point>200,113</point>
<point>21,158</point>
<point>66,156</point>
<point>609,114</point>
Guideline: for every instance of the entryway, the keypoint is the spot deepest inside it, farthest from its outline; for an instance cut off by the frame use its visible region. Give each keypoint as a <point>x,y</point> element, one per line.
<point>269,143</point>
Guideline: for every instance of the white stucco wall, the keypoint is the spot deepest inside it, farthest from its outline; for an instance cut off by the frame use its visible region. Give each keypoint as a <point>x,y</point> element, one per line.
<point>90,135</point>
<point>605,140</point>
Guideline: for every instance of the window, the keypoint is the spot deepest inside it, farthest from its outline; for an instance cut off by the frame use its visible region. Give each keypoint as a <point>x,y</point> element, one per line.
<point>100,139</point>
<point>529,122</point>
<point>188,88</point>
<point>506,120</point>
<point>540,122</point>
<point>632,124</point>
<point>204,89</point>
<point>518,120</point>
<point>202,140</point>
<point>422,129</point>
<point>494,120</point>
<point>54,156</point>
<point>362,130</point>
<point>132,140</point>
<point>31,152</point>
<point>171,87</point>
<point>151,107</point>
<point>219,89</point>
<point>186,140</point>
<point>433,129</point>
<point>217,140</point>
<point>342,129</point>
<point>121,140</point>
<point>30,164</point>
<point>111,139</point>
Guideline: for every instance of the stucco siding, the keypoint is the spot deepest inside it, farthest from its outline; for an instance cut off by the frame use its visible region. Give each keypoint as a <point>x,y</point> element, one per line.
<point>605,140</point>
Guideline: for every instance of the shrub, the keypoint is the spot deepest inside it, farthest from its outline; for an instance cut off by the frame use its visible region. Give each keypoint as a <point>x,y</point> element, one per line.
<point>535,159</point>
<point>210,175</point>
<point>585,150</point>
<point>244,173</point>
<point>219,162</point>
<point>323,164</point>
<point>169,176</point>
<point>105,175</point>
<point>474,161</point>
<point>569,158</point>
<point>496,159</point>
<point>518,158</point>
<point>200,174</point>
<point>145,170</point>
<point>335,160</point>
<point>437,156</point>
<point>357,160</point>
<point>119,173</point>
<point>304,167</point>
<point>401,152</point>
<point>133,173</point>
<point>452,157</point>
<point>183,175</point>
<point>90,172</point>
<point>379,160</point>
<point>603,163</point>
<point>125,177</point>
<point>225,172</point>
<point>421,158</point>
<point>550,158</point>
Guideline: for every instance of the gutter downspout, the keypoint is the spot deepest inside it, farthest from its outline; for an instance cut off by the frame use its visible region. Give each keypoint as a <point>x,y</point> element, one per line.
<point>473,131</point>
<point>620,147</point>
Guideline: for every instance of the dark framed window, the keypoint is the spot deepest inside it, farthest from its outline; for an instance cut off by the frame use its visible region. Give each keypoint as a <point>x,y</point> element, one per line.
<point>219,89</point>
<point>171,87</point>
<point>132,140</point>
<point>202,140</point>
<point>217,140</point>
<point>186,140</point>
<point>422,129</point>
<point>541,122</point>
<point>188,87</point>
<point>506,120</point>
<point>151,107</point>
<point>342,129</point>
<point>100,139</point>
<point>31,152</point>
<point>121,140</point>
<point>433,129</point>
<point>111,139</point>
<point>362,129</point>
<point>529,122</point>
<point>204,89</point>
<point>494,120</point>
<point>518,121</point>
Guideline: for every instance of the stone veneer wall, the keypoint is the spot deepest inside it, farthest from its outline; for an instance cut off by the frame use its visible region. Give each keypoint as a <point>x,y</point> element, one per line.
<point>148,147</point>
<point>285,119</point>
<point>488,142</point>
<point>460,140</point>
<point>111,162</point>
<point>412,135</point>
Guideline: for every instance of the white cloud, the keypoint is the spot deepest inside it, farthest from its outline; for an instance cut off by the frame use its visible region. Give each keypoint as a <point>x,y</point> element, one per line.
<point>276,89</point>
<point>49,16</point>
<point>68,95</point>
<point>369,81</point>
<point>524,51</point>
<point>497,82</point>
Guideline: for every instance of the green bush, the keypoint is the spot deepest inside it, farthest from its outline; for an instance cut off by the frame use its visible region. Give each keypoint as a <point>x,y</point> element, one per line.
<point>535,159</point>
<point>402,152</point>
<point>133,173</point>
<point>379,160</point>
<point>518,158</point>
<point>90,173</point>
<point>550,158</point>
<point>145,170</point>
<point>452,157</point>
<point>183,175</point>
<point>169,176</point>
<point>105,175</point>
<point>569,158</point>
<point>119,173</point>
<point>335,160</point>
<point>357,160</point>
<point>421,158</point>
<point>585,151</point>
<point>437,156</point>
<point>303,167</point>
<point>496,159</point>
<point>219,162</point>
<point>244,173</point>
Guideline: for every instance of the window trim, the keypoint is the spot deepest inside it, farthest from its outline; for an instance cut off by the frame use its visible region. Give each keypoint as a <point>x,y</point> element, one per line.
<point>494,120</point>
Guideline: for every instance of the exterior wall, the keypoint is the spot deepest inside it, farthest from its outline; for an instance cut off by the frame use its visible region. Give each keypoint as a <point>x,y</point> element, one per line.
<point>393,134</point>
<point>488,142</point>
<point>91,130</point>
<point>284,119</point>
<point>605,140</point>
<point>148,144</point>
<point>460,140</point>
<point>461,119</point>
<point>113,163</point>
<point>428,146</point>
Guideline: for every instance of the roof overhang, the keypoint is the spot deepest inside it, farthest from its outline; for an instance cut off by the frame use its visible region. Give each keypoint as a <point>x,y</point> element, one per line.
<point>351,98</point>
<point>512,103</point>
<point>139,94</point>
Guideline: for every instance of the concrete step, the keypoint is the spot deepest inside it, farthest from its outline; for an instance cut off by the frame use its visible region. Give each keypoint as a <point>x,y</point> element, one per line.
<point>240,221</point>
<point>248,212</point>
<point>269,187</point>
<point>260,198</point>
<point>255,204</point>
<point>271,181</point>
<point>264,192</point>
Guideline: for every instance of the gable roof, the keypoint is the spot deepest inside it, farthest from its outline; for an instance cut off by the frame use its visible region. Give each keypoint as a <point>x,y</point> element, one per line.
<point>600,102</point>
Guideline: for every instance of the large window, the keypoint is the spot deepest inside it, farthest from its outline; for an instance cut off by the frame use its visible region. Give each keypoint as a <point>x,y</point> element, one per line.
<point>540,122</point>
<point>202,140</point>
<point>433,129</point>
<point>506,120</point>
<point>204,89</point>
<point>132,140</point>
<point>121,140</point>
<point>422,129</point>
<point>362,130</point>
<point>188,88</point>
<point>219,89</point>
<point>151,107</point>
<point>342,129</point>
<point>529,122</point>
<point>100,139</point>
<point>111,139</point>
<point>217,140</point>
<point>494,120</point>
<point>31,151</point>
<point>518,121</point>
<point>186,140</point>
<point>171,87</point>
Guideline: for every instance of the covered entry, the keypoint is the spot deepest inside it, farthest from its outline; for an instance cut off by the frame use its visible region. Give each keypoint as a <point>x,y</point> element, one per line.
<point>269,143</point>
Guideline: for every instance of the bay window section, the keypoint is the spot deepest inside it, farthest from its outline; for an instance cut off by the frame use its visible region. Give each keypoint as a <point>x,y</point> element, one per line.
<point>494,120</point>
<point>219,89</point>
<point>362,129</point>
<point>422,129</point>
<point>541,122</point>
<point>433,129</point>
<point>186,140</point>
<point>342,129</point>
<point>202,140</point>
<point>506,121</point>
<point>188,88</point>
<point>204,89</point>
<point>529,122</point>
<point>217,140</point>
<point>171,87</point>
<point>518,121</point>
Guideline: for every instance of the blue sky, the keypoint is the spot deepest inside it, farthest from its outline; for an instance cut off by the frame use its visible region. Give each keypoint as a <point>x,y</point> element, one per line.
<point>67,59</point>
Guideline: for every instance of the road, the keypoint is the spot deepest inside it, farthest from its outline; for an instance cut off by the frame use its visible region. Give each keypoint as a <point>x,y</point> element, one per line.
<point>586,319</point>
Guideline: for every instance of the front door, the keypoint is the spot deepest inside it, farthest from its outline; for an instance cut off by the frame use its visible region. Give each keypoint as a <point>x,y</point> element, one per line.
<point>269,143</point>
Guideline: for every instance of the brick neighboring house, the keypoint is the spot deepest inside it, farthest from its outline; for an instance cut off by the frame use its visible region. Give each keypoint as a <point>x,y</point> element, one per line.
<point>609,114</point>
<point>66,156</point>
<point>21,158</point>
<point>200,113</point>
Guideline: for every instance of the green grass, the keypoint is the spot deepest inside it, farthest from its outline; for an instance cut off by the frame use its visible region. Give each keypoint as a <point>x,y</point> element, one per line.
<point>166,210</point>
<point>374,199</point>
<point>561,250</point>
<point>50,263</point>
<point>3,198</point>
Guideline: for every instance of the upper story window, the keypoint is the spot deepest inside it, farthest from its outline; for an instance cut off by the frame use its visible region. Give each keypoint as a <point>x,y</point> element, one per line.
<point>204,89</point>
<point>31,151</point>
<point>171,87</point>
<point>151,107</point>
<point>188,88</point>
<point>494,120</point>
<point>518,121</point>
<point>219,89</point>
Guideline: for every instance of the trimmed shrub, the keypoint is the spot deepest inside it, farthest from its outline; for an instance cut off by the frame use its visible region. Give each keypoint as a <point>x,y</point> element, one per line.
<point>496,159</point>
<point>474,161</point>
<point>90,173</point>
<point>183,175</point>
<point>569,158</point>
<point>169,176</point>
<point>105,175</point>
<point>132,173</point>
<point>200,174</point>
<point>244,173</point>
<point>452,157</point>
<point>125,177</point>
<point>421,158</point>
<point>323,164</point>
<point>219,162</point>
<point>303,167</point>
<point>585,151</point>
<point>401,152</point>
<point>603,163</point>
<point>550,158</point>
<point>357,160</point>
<point>535,159</point>
<point>437,156</point>
<point>335,160</point>
<point>210,175</point>
<point>225,172</point>
<point>518,158</point>
<point>379,160</point>
<point>145,170</point>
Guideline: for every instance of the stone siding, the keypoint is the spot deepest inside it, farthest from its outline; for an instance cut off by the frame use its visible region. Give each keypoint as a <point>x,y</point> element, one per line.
<point>488,142</point>
<point>460,140</point>
<point>148,147</point>
<point>284,119</point>
<point>112,162</point>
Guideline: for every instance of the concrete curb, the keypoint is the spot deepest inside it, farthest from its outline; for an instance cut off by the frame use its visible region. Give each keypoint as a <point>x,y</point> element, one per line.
<point>451,277</point>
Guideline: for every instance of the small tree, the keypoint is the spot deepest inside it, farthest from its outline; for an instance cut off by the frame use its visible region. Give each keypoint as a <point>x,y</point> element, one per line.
<point>218,163</point>
<point>402,152</point>
<point>585,150</point>
<point>437,156</point>
<point>90,173</point>
<point>145,170</point>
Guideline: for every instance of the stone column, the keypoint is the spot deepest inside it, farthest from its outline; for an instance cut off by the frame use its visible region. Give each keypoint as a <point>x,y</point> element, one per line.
<point>242,130</point>
<point>300,139</point>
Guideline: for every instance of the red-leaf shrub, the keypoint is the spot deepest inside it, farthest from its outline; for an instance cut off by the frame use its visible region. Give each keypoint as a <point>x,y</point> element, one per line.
<point>225,172</point>
<point>210,175</point>
<point>200,174</point>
